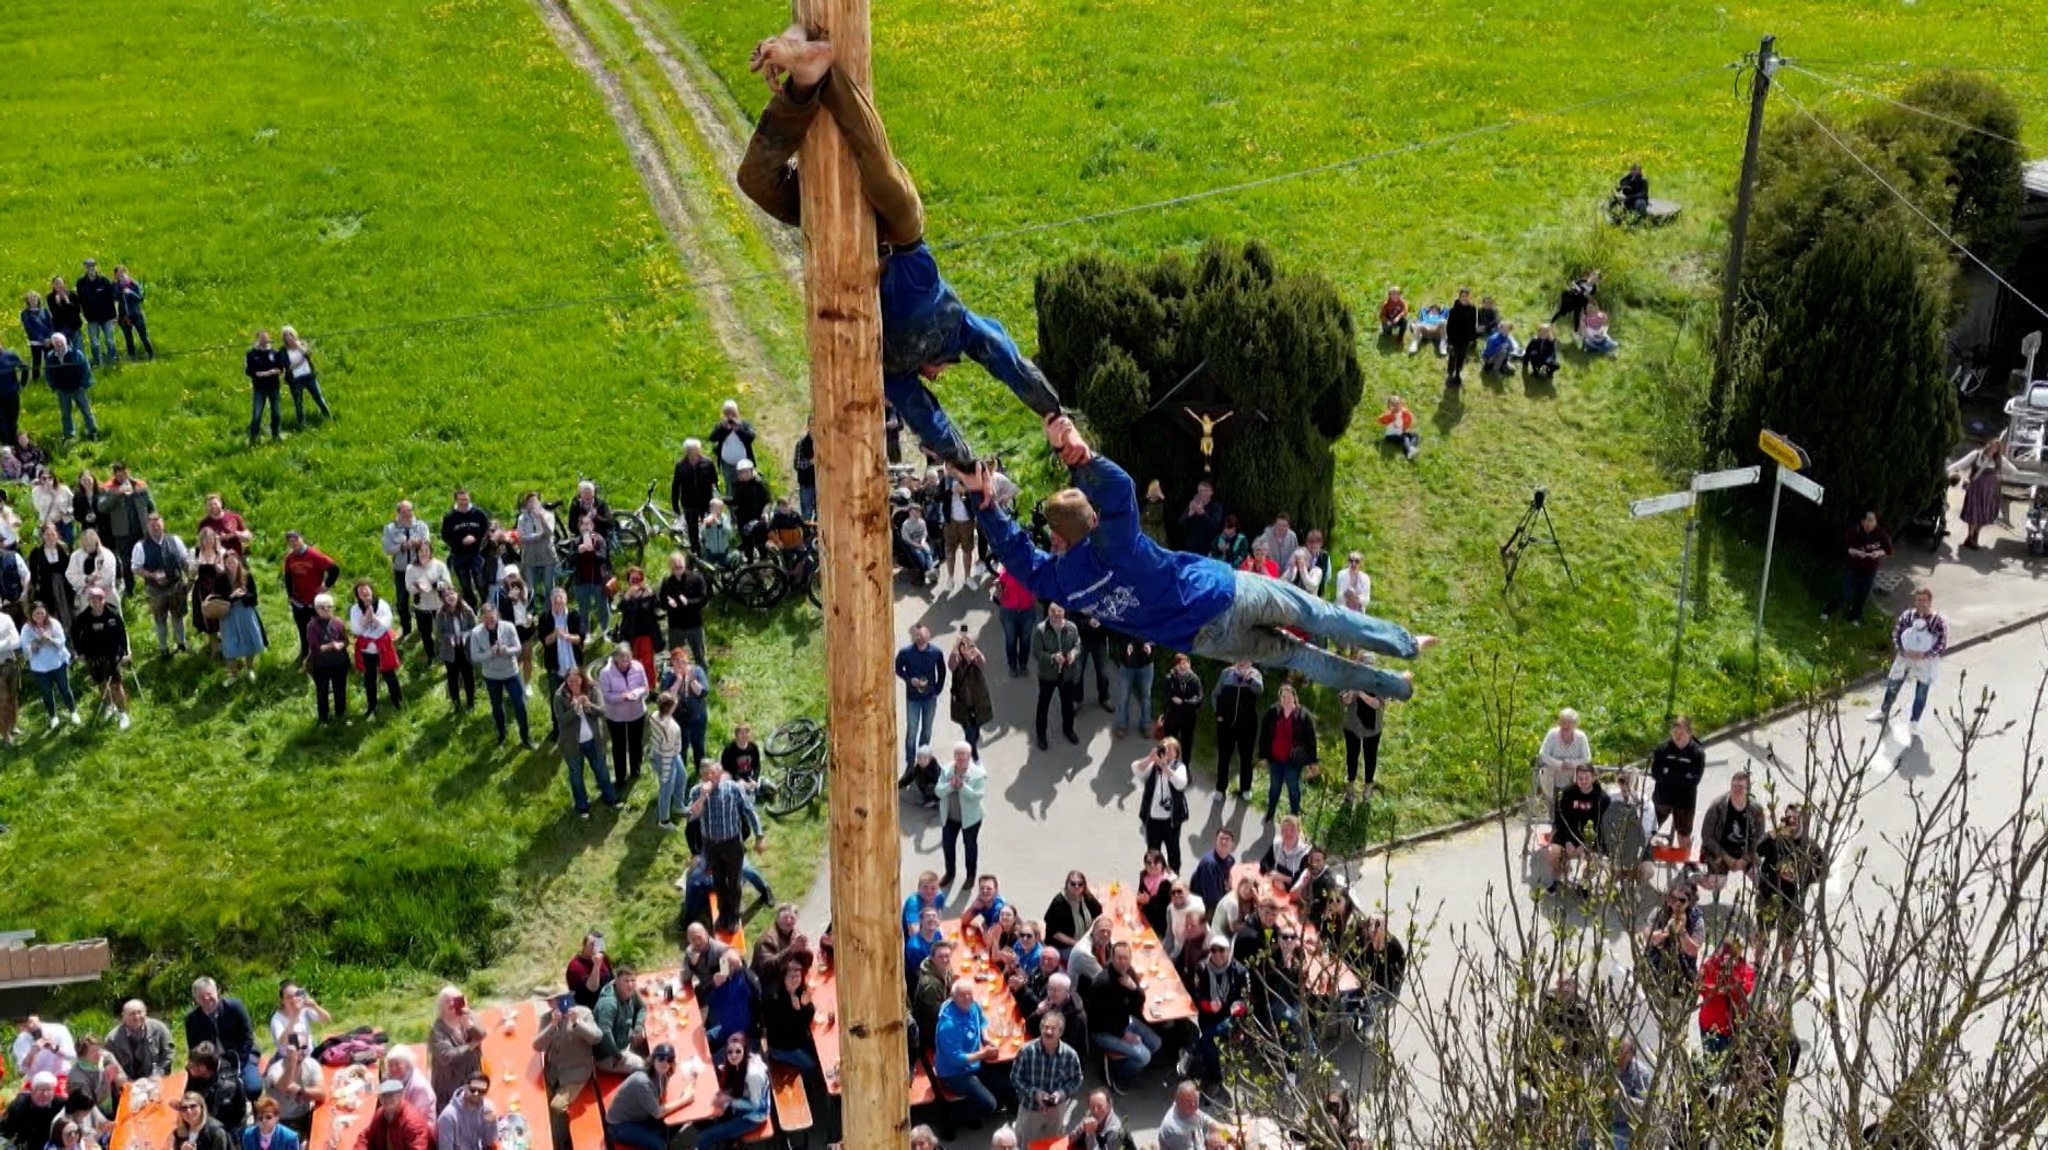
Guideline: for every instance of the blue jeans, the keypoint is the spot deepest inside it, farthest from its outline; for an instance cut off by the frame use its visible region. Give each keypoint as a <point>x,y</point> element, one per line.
<point>977,1101</point>
<point>918,717</point>
<point>97,330</point>
<point>540,580</point>
<point>1206,1052</point>
<point>1249,629</point>
<point>693,743</point>
<point>807,502</point>
<point>799,1060</point>
<point>259,398</point>
<point>586,755</point>
<point>1135,710</point>
<point>1277,774</point>
<point>753,878</point>
<point>970,733</point>
<point>55,685</point>
<point>640,1135</point>
<point>594,607</point>
<point>675,781</point>
<point>1891,695</point>
<point>1136,1056</point>
<point>923,322</point>
<point>503,692</point>
<point>303,386</point>
<point>66,400</point>
<point>1017,625</point>
<point>738,1122</point>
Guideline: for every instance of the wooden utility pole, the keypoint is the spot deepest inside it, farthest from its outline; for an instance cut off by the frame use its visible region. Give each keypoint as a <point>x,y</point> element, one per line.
<point>843,323</point>
<point>1738,233</point>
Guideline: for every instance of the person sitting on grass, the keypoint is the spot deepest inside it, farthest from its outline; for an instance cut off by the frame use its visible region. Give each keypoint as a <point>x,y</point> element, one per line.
<point>1488,316</point>
<point>1179,601</point>
<point>1632,193</point>
<point>1430,327</point>
<point>1394,316</point>
<point>1540,357</point>
<point>925,327</point>
<point>1398,424</point>
<point>1593,335</point>
<point>1501,350</point>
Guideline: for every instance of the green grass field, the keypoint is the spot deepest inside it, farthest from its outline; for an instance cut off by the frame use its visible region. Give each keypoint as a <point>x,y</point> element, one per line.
<point>1019,113</point>
<point>345,164</point>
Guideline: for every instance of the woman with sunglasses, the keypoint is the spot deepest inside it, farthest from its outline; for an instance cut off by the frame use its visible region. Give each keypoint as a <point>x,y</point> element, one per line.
<point>195,1129</point>
<point>1672,942</point>
<point>1070,913</point>
<point>269,1132</point>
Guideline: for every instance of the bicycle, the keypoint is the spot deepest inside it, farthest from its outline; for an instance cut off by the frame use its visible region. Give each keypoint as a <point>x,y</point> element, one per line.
<point>754,583</point>
<point>650,522</point>
<point>799,754</point>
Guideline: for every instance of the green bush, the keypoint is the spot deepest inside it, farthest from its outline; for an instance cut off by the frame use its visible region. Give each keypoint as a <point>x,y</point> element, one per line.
<point>1974,179</point>
<point>1117,337</point>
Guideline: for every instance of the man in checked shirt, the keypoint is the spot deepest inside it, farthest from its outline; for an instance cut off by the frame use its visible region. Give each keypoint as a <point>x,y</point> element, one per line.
<point>722,806</point>
<point>1045,1075</point>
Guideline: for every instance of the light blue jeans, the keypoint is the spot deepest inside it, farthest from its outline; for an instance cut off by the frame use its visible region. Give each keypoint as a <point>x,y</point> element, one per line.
<point>97,330</point>
<point>918,717</point>
<point>1250,629</point>
<point>592,604</point>
<point>66,400</point>
<point>1135,710</point>
<point>1135,1055</point>
<point>675,780</point>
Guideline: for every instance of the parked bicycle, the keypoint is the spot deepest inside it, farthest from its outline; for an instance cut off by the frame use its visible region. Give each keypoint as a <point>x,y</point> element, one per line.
<point>799,754</point>
<point>650,523</point>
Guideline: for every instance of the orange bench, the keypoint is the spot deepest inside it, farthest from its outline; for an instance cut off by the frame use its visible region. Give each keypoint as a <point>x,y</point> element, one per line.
<point>792,1102</point>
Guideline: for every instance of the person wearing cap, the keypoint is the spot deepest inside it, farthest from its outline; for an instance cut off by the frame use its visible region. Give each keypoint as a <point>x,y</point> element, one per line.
<point>397,1124</point>
<point>307,572</point>
<point>28,1118</point>
<point>70,376</point>
<point>691,490</point>
<point>1219,985</point>
<point>102,642</point>
<point>751,501</point>
<point>637,1116</point>
<point>100,302</point>
<point>732,441</point>
<point>402,1067</point>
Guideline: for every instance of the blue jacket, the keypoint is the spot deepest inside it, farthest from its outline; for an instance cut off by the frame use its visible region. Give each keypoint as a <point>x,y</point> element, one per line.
<point>282,1138</point>
<point>960,1034</point>
<point>1116,574</point>
<point>36,324</point>
<point>928,664</point>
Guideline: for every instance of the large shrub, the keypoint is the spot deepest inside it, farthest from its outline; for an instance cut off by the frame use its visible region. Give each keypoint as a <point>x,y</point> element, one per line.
<point>1116,337</point>
<point>1968,127</point>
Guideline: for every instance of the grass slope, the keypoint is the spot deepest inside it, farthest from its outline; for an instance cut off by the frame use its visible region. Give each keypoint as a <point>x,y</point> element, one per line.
<point>1035,110</point>
<point>337,165</point>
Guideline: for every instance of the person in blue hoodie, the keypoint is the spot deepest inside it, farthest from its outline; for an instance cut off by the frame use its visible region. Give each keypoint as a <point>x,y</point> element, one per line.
<point>925,327</point>
<point>1183,602</point>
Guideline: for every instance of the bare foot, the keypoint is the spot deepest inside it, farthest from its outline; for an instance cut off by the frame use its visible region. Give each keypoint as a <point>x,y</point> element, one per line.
<point>1425,642</point>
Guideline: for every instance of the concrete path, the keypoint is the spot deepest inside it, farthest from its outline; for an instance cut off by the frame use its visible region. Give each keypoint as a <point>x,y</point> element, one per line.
<point>1076,807</point>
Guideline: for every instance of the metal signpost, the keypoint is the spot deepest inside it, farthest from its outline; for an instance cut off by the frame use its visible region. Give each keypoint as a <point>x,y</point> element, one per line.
<point>1790,460</point>
<point>1686,501</point>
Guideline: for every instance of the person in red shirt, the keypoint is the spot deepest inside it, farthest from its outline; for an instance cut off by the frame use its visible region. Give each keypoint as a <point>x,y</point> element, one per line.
<point>307,572</point>
<point>233,532</point>
<point>1260,561</point>
<point>590,971</point>
<point>396,1126</point>
<point>1726,982</point>
<point>1394,316</point>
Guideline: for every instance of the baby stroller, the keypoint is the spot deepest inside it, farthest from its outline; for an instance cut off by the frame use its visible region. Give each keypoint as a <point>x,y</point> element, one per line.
<point>2037,521</point>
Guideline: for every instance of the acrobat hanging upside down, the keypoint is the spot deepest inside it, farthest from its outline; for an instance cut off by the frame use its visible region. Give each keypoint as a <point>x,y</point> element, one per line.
<point>1179,600</point>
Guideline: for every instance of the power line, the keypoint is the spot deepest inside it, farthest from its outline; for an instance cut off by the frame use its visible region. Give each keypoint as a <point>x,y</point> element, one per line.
<point>1953,123</point>
<point>997,236</point>
<point>1908,201</point>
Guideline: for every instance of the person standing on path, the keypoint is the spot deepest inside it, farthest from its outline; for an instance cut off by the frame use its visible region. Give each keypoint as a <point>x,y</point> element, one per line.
<point>922,667</point>
<point>1364,719</point>
<point>1017,608</point>
<point>804,462</point>
<point>1461,331</point>
<point>1056,654</point>
<point>1920,636</point>
<point>265,366</point>
<point>1183,705</point>
<point>1236,702</point>
<point>971,704</point>
<point>1163,800</point>
<point>1134,693</point>
<point>961,789</point>
<point>1867,545</point>
<point>1675,770</point>
<point>1982,471</point>
<point>1287,741</point>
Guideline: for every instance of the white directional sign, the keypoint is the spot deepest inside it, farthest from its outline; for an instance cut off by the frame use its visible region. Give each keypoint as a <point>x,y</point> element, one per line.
<point>1800,483</point>
<point>1733,477</point>
<point>1659,504</point>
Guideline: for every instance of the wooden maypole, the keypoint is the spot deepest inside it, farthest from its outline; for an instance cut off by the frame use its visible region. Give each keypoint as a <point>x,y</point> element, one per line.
<point>843,323</point>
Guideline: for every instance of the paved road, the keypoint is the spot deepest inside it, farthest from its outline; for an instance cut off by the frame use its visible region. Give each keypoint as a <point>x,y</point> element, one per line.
<point>1075,807</point>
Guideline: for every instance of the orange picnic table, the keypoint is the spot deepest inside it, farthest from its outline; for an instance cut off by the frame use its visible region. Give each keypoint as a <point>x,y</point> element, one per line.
<point>1166,999</point>
<point>1326,973</point>
<point>148,1115</point>
<point>673,1016</point>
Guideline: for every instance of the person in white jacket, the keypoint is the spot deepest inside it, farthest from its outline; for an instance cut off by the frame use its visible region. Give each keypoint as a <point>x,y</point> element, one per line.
<point>93,565</point>
<point>52,502</point>
<point>1563,749</point>
<point>10,677</point>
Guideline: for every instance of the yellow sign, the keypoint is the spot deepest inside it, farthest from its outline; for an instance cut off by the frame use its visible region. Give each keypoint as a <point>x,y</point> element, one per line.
<point>1782,451</point>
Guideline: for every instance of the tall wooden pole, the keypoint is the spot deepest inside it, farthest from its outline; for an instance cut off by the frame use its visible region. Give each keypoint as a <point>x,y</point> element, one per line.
<point>843,322</point>
<point>1738,233</point>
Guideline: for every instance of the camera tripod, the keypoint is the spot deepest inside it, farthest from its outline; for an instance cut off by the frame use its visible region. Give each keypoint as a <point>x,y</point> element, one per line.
<point>1524,537</point>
